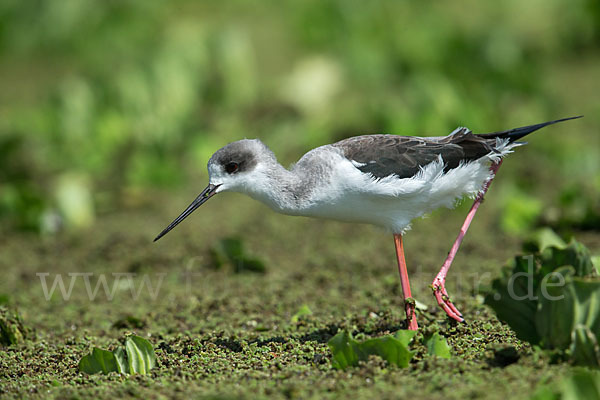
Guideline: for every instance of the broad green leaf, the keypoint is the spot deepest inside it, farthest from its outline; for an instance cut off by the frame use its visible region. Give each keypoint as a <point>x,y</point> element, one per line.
<point>542,239</point>
<point>344,349</point>
<point>596,264</point>
<point>575,254</point>
<point>437,345</point>
<point>584,347</point>
<point>121,359</point>
<point>555,316</point>
<point>12,330</point>
<point>388,348</point>
<point>99,361</point>
<point>405,336</point>
<point>513,298</point>
<point>140,355</point>
<point>348,352</point>
<point>587,311</point>
<point>304,310</point>
<point>545,393</point>
<point>581,385</point>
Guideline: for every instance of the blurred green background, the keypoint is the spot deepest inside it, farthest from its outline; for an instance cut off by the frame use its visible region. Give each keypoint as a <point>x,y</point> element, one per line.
<point>105,103</point>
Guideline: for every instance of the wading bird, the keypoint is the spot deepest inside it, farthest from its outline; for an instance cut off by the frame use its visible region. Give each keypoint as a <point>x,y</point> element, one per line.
<point>383,180</point>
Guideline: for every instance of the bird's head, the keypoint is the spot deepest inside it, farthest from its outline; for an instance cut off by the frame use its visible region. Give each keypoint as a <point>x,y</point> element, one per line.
<point>238,167</point>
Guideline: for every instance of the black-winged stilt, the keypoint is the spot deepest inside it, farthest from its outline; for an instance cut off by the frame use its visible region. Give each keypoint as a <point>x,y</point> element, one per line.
<point>384,180</point>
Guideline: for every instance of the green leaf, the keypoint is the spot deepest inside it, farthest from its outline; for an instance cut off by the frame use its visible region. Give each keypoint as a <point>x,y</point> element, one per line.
<point>437,345</point>
<point>121,359</point>
<point>575,254</point>
<point>545,393</point>
<point>512,298</point>
<point>303,311</point>
<point>596,264</point>
<point>581,385</point>
<point>584,349</point>
<point>140,355</point>
<point>344,349</point>
<point>405,336</point>
<point>348,352</point>
<point>544,296</point>
<point>12,330</point>
<point>388,348</point>
<point>98,361</point>
<point>563,308</point>
<point>542,239</point>
<point>555,317</point>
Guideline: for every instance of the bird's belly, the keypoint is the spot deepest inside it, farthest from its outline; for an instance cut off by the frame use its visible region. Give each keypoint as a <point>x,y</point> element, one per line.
<point>393,203</point>
<point>387,213</point>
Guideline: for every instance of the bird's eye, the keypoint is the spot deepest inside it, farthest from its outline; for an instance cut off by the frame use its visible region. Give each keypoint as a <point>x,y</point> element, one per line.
<point>231,167</point>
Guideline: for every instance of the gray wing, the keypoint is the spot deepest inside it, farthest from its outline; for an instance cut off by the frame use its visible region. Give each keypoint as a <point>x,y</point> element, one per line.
<point>384,155</point>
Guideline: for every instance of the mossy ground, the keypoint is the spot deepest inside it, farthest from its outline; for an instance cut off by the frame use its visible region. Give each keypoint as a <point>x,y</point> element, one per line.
<point>226,335</point>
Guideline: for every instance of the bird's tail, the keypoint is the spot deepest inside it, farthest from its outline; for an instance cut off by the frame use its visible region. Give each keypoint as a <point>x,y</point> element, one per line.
<point>517,133</point>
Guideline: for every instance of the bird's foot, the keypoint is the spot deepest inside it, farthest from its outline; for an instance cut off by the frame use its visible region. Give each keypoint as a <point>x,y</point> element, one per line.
<point>443,300</point>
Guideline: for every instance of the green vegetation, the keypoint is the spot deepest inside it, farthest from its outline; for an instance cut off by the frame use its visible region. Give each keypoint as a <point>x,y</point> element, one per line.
<point>580,385</point>
<point>137,358</point>
<point>347,352</point>
<point>12,330</point>
<point>110,110</point>
<point>551,299</point>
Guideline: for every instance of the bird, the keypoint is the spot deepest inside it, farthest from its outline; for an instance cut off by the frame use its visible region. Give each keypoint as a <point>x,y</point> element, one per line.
<point>380,179</point>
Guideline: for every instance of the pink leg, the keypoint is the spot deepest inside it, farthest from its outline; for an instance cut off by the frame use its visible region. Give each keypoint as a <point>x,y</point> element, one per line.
<point>438,285</point>
<point>409,303</point>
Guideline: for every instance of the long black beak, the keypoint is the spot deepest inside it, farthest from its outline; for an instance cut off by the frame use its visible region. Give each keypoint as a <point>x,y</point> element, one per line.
<point>206,194</point>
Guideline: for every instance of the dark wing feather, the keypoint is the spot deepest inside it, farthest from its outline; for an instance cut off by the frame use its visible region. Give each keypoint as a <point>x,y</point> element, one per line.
<point>403,156</point>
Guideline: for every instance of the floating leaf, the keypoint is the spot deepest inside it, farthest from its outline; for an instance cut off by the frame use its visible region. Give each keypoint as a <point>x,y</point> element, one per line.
<point>552,299</point>
<point>99,361</point>
<point>512,298</point>
<point>575,254</point>
<point>388,348</point>
<point>137,358</point>
<point>585,350</point>
<point>554,319</point>
<point>437,345</point>
<point>12,330</point>
<point>140,355</point>
<point>121,358</point>
<point>542,239</point>
<point>545,393</point>
<point>596,264</point>
<point>344,349</point>
<point>348,352</point>
<point>581,385</point>
<point>405,336</point>
<point>303,311</point>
